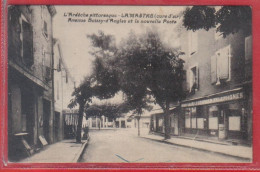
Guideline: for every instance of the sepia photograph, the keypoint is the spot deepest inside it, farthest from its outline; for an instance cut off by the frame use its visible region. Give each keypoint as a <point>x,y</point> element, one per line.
<point>129,84</point>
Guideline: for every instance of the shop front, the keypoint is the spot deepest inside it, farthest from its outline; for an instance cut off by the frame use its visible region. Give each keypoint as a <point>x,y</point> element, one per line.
<point>223,115</point>
<point>157,122</point>
<point>70,117</point>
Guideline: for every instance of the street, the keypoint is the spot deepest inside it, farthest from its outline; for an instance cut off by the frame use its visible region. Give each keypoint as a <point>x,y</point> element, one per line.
<point>123,145</point>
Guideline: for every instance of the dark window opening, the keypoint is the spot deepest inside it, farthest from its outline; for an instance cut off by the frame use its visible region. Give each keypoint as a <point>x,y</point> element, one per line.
<point>27,40</point>
<point>45,30</point>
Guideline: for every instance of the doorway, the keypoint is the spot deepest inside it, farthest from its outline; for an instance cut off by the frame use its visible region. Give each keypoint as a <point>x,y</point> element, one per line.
<point>56,125</point>
<point>27,114</point>
<point>46,119</point>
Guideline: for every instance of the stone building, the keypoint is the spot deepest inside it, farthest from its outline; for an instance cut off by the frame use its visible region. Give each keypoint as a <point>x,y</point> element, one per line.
<point>30,78</point>
<point>218,87</point>
<point>218,84</point>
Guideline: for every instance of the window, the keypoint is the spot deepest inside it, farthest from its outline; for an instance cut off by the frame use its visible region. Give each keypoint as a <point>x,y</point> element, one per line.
<point>248,57</point>
<point>248,48</point>
<point>48,74</point>
<point>193,42</point>
<point>221,66</point>
<point>185,83</point>
<point>194,118</point>
<point>67,77</point>
<point>58,93</point>
<point>44,11</point>
<point>26,37</point>
<point>45,30</point>
<point>194,79</point>
<point>59,65</point>
<point>47,70</point>
<point>187,118</point>
<point>213,117</point>
<point>234,117</point>
<point>200,118</point>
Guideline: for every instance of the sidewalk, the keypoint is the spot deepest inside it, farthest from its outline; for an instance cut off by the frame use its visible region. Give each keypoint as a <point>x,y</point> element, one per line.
<point>228,149</point>
<point>60,152</point>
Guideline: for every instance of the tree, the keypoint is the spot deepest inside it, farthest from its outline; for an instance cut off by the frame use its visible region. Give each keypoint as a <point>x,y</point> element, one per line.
<point>82,97</point>
<point>227,20</point>
<point>146,67</point>
<point>102,83</point>
<point>129,64</point>
<point>106,63</point>
<point>142,67</point>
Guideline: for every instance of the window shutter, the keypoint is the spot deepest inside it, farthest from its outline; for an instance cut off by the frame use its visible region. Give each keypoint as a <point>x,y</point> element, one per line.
<point>213,68</point>
<point>223,63</point>
<point>248,48</point>
<point>27,44</point>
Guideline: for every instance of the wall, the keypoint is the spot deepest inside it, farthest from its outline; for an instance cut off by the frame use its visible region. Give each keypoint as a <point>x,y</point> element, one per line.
<point>63,88</point>
<point>207,46</point>
<point>27,84</point>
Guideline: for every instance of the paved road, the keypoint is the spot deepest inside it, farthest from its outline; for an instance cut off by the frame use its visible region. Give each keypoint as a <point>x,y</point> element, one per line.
<point>123,145</point>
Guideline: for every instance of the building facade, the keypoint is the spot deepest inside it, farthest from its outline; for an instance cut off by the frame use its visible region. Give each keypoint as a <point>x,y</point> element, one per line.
<point>30,78</point>
<point>64,85</point>
<point>157,121</point>
<point>218,85</point>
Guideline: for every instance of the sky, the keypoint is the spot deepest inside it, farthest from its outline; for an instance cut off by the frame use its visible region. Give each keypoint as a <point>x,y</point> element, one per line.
<point>73,35</point>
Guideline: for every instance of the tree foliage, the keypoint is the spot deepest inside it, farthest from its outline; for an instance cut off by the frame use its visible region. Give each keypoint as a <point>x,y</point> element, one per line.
<point>142,66</point>
<point>199,17</point>
<point>227,20</point>
<point>102,83</point>
<point>148,68</point>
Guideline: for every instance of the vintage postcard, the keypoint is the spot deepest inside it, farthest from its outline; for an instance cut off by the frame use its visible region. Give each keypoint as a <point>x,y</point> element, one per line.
<point>129,84</point>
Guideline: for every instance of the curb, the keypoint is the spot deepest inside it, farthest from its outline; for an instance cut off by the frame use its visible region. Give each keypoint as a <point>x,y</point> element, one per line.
<point>206,150</point>
<point>78,155</point>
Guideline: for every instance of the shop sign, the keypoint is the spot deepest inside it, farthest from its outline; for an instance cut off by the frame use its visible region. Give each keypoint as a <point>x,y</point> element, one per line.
<point>230,97</point>
<point>70,111</point>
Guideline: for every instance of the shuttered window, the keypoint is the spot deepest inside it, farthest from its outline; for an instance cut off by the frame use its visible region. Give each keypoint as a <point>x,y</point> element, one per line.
<point>220,65</point>
<point>223,63</point>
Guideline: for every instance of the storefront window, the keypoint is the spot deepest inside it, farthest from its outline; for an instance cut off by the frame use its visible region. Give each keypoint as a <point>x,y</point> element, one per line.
<point>193,115</point>
<point>194,118</point>
<point>172,121</point>
<point>187,118</point>
<point>234,119</point>
<point>213,117</point>
<point>190,118</point>
<point>200,118</point>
